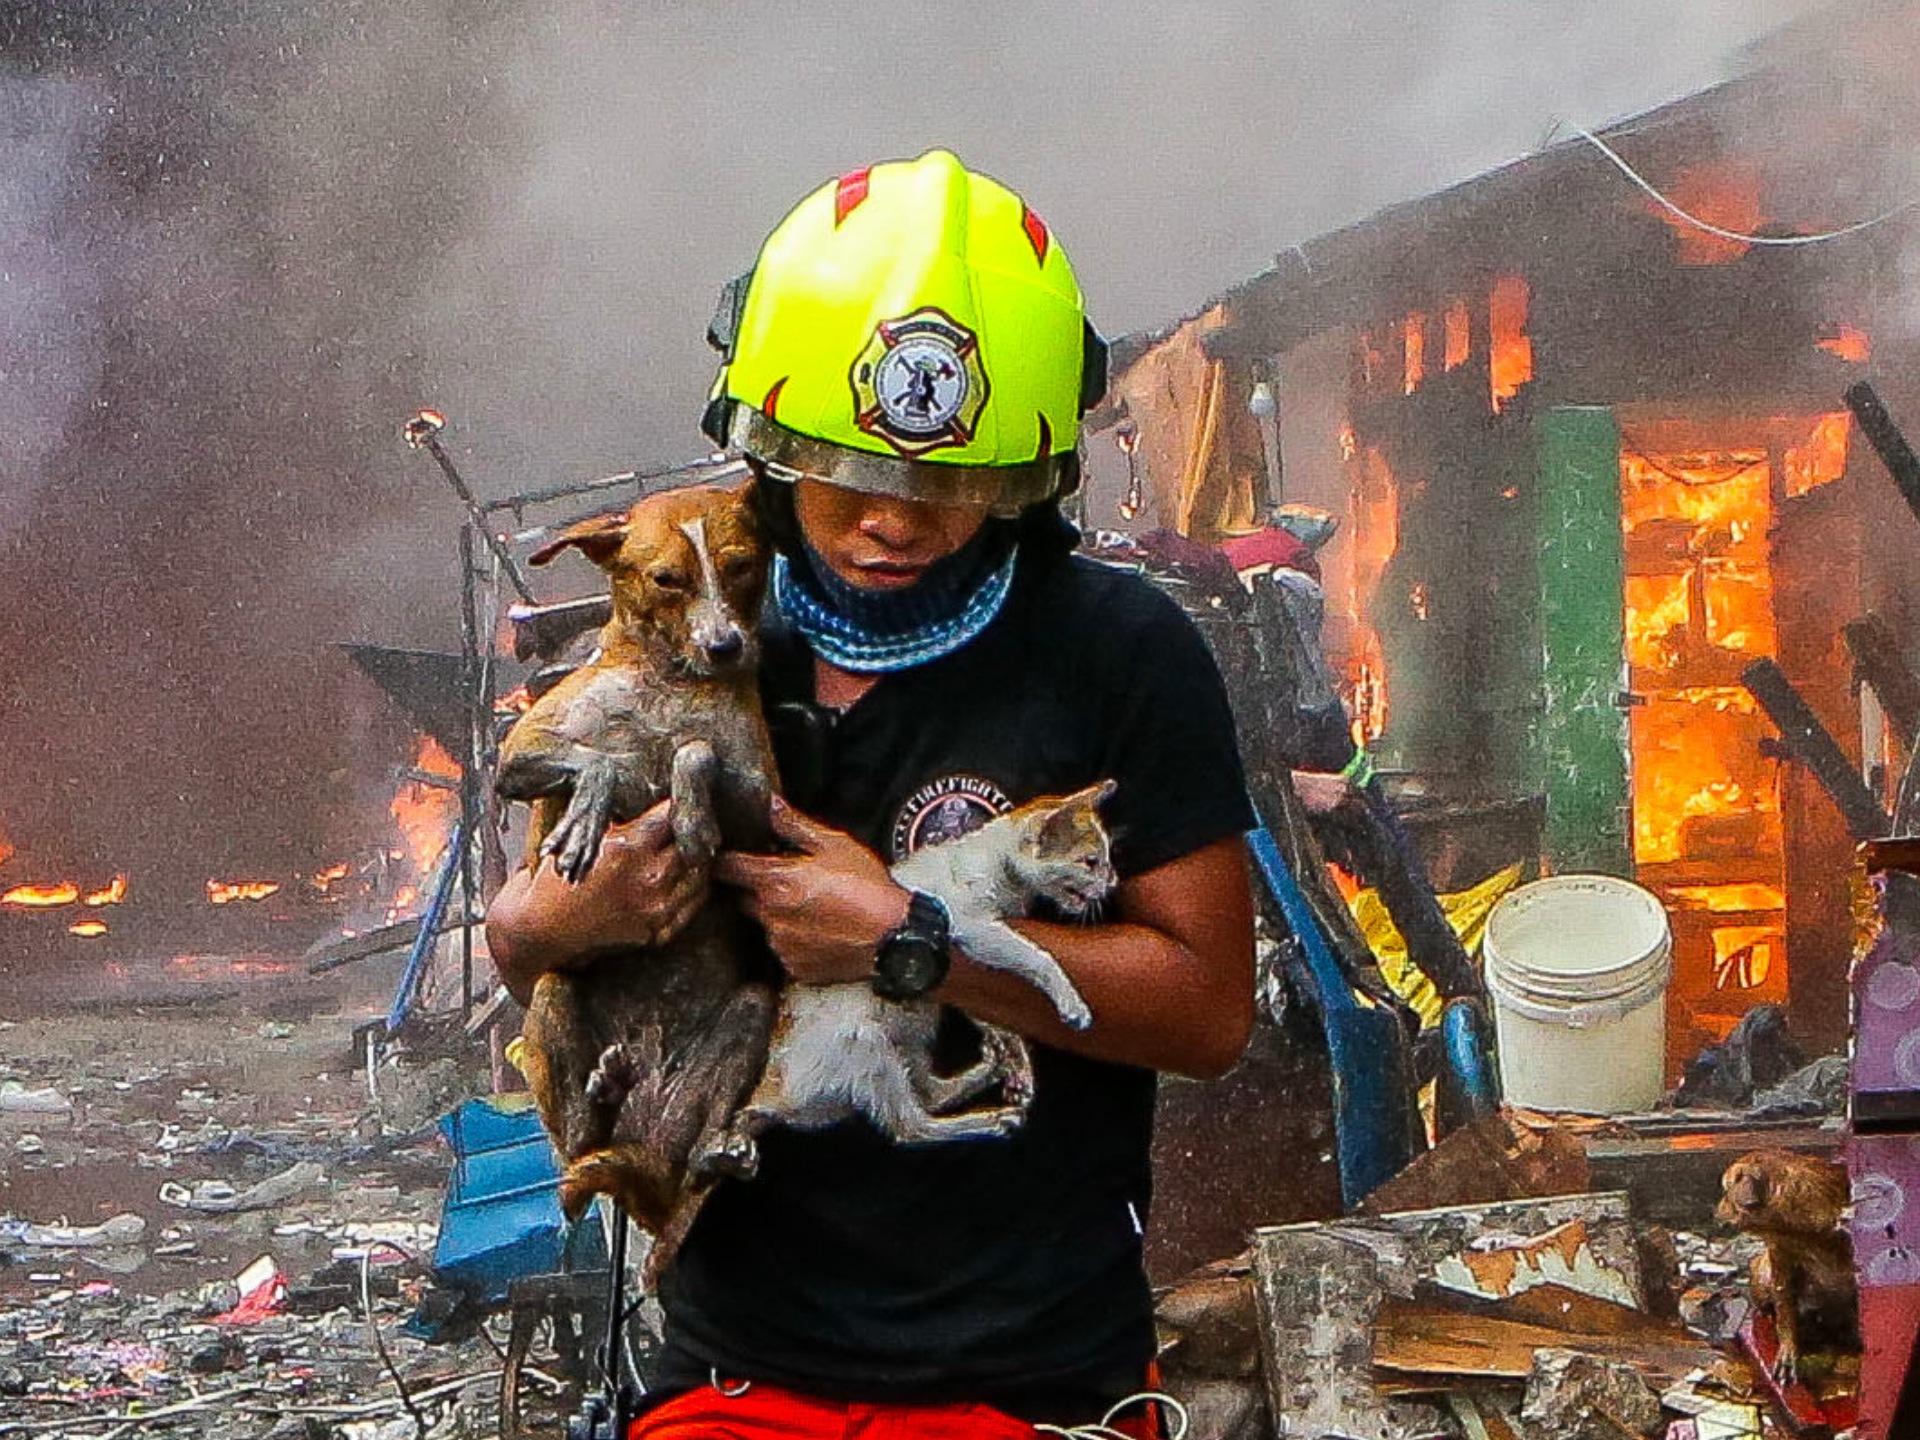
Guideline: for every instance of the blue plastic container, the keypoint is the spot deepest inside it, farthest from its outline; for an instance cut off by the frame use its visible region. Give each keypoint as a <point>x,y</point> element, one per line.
<point>501,1219</point>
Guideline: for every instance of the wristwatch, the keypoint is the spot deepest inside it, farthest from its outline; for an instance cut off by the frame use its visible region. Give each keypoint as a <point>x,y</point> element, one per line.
<point>914,956</point>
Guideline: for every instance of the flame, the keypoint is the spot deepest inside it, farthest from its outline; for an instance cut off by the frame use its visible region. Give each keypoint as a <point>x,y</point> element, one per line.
<point>1744,955</point>
<point>324,880</point>
<point>1349,447</point>
<point>426,813</point>
<point>1416,337</point>
<point>41,897</point>
<point>1417,598</point>
<point>225,892</point>
<point>1459,323</point>
<point>1725,193</point>
<point>1510,351</point>
<point>113,894</point>
<point>1727,899</point>
<point>1375,507</point>
<point>87,929</point>
<point>1699,607</point>
<point>1368,702</point>
<point>6,845</point>
<point>1849,343</point>
<point>1822,458</point>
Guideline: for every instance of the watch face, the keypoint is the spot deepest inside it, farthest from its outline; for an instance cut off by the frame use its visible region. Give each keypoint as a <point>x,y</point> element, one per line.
<point>911,966</point>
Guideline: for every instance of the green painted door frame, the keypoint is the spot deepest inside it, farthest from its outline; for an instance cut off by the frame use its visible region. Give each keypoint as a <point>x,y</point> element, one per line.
<point>1581,742</point>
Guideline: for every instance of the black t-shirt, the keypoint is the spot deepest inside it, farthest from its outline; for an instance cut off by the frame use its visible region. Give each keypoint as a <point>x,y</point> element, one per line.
<point>1004,1270</point>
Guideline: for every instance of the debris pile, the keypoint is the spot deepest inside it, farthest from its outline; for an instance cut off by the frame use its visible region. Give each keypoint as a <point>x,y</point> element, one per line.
<point>214,1235</point>
<point>1549,1314</point>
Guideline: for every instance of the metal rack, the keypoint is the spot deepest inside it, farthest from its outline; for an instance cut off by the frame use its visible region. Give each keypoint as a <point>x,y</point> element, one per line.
<point>488,568</point>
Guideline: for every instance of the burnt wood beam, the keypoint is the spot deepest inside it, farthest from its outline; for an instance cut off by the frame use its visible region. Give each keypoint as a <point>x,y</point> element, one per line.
<point>1887,441</point>
<point>1806,740</point>
<point>1876,654</point>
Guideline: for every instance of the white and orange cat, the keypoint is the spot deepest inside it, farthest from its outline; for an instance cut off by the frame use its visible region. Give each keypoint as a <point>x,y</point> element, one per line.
<point>840,1050</point>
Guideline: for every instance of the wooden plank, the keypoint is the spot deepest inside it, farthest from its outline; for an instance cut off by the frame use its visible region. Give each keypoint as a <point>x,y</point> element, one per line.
<point>1434,1340</point>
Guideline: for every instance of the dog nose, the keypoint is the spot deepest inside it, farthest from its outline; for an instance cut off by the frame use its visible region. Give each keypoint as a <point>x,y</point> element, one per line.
<point>726,647</point>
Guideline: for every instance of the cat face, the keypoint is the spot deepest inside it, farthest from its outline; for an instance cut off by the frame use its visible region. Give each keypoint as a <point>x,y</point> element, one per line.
<point>1065,853</point>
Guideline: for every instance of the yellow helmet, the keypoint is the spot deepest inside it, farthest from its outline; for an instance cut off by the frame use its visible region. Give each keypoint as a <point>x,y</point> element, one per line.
<point>910,329</point>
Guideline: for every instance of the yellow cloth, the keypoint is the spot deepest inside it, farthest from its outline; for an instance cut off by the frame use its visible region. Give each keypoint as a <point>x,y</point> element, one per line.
<point>1466,911</point>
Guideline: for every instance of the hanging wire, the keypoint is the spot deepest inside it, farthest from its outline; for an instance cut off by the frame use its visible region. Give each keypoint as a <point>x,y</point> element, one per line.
<point>1638,179</point>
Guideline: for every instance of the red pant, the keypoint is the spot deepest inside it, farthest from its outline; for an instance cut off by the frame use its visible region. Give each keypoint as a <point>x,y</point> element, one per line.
<point>766,1412</point>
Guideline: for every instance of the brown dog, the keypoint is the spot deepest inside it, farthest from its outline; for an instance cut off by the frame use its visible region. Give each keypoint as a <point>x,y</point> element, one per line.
<point>667,708</point>
<point>1795,1203</point>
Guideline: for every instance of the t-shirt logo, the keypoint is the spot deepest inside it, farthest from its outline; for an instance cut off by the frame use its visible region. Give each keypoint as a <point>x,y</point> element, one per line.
<point>946,809</point>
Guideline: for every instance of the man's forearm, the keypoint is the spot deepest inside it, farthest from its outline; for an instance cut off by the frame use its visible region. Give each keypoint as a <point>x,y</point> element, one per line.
<point>1154,1003</point>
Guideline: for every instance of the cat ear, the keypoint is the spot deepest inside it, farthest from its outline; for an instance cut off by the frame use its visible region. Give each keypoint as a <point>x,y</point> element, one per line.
<point>1062,826</point>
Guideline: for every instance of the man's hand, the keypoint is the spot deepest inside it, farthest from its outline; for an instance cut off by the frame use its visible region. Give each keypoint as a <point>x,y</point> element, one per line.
<point>641,891</point>
<point>825,908</point>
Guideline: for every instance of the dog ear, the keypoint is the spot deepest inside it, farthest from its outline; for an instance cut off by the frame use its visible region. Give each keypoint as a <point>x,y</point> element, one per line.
<point>599,539</point>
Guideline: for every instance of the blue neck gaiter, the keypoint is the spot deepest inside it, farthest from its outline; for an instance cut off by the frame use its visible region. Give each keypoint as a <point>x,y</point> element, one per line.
<point>874,631</point>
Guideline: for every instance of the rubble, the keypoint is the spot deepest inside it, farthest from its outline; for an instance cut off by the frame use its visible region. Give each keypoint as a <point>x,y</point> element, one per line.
<point>121,1307</point>
<point>1575,1396</point>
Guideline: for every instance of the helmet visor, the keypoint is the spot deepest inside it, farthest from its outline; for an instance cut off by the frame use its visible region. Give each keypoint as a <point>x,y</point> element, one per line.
<point>785,454</point>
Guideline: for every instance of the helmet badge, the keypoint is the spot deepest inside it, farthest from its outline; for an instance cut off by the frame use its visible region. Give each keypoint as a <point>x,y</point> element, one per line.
<point>919,383</point>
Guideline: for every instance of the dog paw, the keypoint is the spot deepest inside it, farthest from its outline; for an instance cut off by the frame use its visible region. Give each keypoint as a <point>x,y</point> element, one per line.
<point>574,847</point>
<point>729,1156</point>
<point>696,835</point>
<point>614,1078</point>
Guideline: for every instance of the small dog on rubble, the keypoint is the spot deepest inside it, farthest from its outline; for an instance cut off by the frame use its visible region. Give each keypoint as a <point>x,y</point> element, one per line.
<point>668,708</point>
<point>1795,1203</point>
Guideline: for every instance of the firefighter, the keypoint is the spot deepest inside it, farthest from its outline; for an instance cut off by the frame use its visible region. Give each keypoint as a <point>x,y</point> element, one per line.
<point>905,370</point>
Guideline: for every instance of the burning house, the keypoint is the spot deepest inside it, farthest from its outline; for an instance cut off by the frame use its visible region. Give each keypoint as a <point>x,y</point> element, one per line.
<point>1582,417</point>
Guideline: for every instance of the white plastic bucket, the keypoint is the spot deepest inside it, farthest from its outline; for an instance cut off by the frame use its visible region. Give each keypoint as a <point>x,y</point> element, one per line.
<point>1577,967</point>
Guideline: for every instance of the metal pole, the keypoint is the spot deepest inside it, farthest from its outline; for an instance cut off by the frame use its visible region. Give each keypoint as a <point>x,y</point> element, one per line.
<point>471,764</point>
<point>422,432</point>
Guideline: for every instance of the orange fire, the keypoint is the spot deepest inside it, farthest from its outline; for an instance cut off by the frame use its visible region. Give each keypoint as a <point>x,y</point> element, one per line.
<point>1510,351</point>
<point>1726,194</point>
<point>41,897</point>
<point>426,814</point>
<point>1822,458</point>
<point>87,929</point>
<point>1459,324</point>
<point>1416,337</point>
<point>1729,899</point>
<point>112,894</point>
<point>1849,343</point>
<point>326,879</point>
<point>225,892</point>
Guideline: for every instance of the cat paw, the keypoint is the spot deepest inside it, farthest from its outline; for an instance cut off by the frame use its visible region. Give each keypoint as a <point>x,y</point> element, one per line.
<point>1073,1011</point>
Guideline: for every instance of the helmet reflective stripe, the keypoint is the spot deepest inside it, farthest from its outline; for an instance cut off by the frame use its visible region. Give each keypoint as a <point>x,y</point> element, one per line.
<point>912,329</point>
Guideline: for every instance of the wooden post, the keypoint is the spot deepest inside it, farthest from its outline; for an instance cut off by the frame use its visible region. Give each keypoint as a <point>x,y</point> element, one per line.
<point>1876,652</point>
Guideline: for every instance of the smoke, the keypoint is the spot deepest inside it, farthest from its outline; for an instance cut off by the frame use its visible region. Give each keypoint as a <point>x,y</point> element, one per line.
<point>239,243</point>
